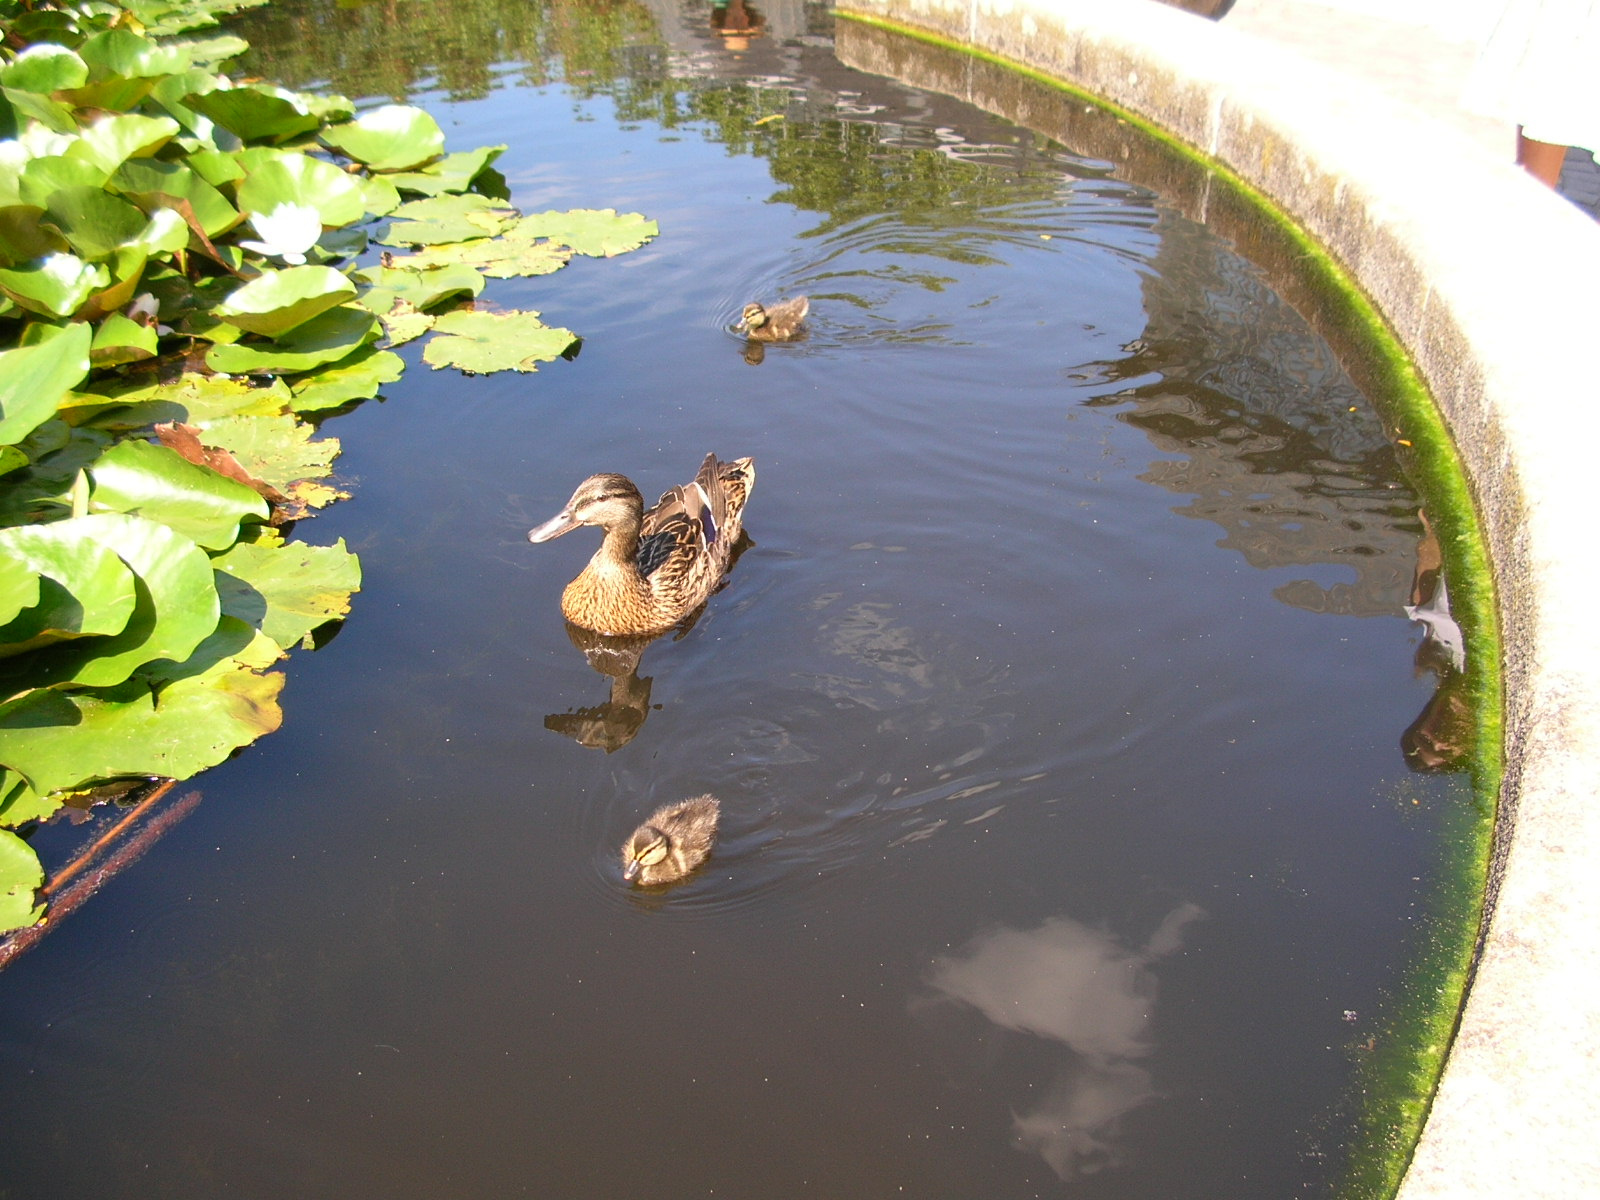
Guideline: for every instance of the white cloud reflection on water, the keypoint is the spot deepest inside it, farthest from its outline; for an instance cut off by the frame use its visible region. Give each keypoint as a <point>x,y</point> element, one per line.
<point>1069,983</point>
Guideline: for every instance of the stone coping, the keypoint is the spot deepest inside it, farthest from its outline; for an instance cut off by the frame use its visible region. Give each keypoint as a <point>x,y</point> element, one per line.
<point>1492,285</point>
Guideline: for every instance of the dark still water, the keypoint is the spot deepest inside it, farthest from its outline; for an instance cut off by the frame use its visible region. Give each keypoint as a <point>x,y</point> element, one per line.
<point>1059,711</point>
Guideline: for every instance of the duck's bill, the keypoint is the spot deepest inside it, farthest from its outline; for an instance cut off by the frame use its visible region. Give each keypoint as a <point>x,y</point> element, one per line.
<point>561,523</point>
<point>630,871</point>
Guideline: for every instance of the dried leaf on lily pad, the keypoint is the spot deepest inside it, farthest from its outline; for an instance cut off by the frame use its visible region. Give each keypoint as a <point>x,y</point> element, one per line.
<point>598,232</point>
<point>185,439</point>
<point>482,342</point>
<point>281,451</point>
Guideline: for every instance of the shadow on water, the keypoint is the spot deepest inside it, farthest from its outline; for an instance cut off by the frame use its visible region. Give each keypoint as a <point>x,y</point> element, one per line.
<point>1068,846</point>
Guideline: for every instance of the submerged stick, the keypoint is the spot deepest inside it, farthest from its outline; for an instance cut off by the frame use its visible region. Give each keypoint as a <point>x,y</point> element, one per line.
<point>100,843</point>
<point>69,897</point>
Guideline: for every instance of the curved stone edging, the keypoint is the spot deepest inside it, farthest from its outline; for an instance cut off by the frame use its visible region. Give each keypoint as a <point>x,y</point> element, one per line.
<point>1492,285</point>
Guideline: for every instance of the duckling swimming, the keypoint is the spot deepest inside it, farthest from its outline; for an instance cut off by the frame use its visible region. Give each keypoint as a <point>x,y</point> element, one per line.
<point>653,568</point>
<point>673,842</point>
<point>780,323</point>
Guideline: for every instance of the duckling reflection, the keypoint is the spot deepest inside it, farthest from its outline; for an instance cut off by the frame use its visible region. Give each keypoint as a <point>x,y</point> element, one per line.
<point>1075,985</point>
<point>675,840</point>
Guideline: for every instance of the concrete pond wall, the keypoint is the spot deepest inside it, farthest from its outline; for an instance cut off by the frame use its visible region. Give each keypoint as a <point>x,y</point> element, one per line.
<point>1491,283</point>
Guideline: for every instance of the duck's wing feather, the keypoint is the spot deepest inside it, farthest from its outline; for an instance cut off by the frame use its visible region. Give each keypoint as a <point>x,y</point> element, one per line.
<point>692,520</point>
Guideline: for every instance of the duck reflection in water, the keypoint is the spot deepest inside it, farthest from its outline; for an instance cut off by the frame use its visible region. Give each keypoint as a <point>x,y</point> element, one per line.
<point>1441,738</point>
<point>1077,986</point>
<point>616,722</point>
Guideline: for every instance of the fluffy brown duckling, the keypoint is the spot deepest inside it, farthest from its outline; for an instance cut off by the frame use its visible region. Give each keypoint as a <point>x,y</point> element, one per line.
<point>653,568</point>
<point>673,842</point>
<point>780,323</point>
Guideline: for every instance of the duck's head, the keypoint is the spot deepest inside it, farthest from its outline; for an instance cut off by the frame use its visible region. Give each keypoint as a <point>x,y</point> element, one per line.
<point>646,848</point>
<point>603,500</point>
<point>755,316</point>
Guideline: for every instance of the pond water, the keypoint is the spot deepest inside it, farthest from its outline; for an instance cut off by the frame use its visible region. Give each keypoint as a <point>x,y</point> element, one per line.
<point>1060,708</point>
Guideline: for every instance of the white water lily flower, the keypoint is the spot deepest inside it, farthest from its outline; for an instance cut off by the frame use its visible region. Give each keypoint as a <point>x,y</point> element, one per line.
<point>287,232</point>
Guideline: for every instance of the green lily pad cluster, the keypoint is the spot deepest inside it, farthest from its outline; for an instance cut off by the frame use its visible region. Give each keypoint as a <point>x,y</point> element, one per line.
<point>186,288</point>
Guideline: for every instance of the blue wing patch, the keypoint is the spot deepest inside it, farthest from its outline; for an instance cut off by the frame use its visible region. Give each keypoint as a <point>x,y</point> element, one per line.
<point>654,550</point>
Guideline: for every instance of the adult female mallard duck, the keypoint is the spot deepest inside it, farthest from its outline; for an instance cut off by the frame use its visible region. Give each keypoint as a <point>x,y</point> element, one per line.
<point>674,841</point>
<point>779,323</point>
<point>653,568</point>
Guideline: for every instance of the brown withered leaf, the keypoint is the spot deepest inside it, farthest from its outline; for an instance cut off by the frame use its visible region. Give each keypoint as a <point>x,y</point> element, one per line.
<point>185,440</point>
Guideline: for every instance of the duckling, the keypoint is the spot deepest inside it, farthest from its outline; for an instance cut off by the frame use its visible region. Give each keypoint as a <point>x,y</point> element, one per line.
<point>653,568</point>
<point>674,841</point>
<point>780,323</point>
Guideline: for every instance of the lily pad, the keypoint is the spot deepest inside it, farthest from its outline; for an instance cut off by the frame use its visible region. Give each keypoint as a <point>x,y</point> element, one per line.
<point>396,137</point>
<point>93,221</point>
<point>452,173</point>
<point>44,68</point>
<point>420,289</point>
<point>21,877</point>
<point>19,803</point>
<point>119,339</point>
<point>324,339</point>
<point>289,590</point>
<point>279,450</point>
<point>598,232</point>
<point>48,174</point>
<point>58,740</point>
<point>174,609</point>
<point>274,177</point>
<point>505,257</point>
<point>19,585</point>
<point>34,379</point>
<point>191,398</point>
<point>357,377</point>
<point>82,589</point>
<point>55,286</point>
<point>111,141</point>
<point>483,342</point>
<point>161,186</point>
<point>275,302</point>
<point>162,485</point>
<point>122,54</point>
<point>403,324</point>
<point>443,219</point>
<point>256,112</point>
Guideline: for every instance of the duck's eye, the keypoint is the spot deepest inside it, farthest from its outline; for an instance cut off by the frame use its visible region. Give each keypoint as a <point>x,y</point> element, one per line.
<point>653,853</point>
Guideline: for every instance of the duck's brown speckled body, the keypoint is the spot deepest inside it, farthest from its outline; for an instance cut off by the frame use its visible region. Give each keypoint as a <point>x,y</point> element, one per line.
<point>653,568</point>
<point>781,323</point>
<point>673,842</point>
